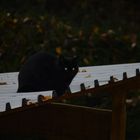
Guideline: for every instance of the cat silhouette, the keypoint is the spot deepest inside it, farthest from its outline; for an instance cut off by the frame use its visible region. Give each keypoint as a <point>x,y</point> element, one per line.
<point>44,71</point>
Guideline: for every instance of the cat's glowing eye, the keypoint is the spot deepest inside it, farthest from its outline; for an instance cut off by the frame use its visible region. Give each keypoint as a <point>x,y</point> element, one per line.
<point>66,69</point>
<point>73,68</point>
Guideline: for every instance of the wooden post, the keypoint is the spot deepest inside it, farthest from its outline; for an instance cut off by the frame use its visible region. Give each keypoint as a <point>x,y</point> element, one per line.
<point>118,128</point>
<point>8,106</point>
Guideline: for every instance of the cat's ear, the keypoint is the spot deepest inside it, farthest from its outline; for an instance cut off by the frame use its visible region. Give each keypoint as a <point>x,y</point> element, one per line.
<point>75,58</point>
<point>61,59</point>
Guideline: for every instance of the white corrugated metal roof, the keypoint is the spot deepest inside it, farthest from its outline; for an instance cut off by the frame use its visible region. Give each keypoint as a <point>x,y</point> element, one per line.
<point>86,75</point>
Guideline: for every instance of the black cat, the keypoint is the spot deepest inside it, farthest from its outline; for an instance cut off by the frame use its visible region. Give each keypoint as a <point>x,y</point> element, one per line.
<point>44,72</point>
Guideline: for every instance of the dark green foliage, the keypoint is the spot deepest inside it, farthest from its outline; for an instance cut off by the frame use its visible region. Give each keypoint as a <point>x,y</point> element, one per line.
<point>21,36</point>
<point>88,29</point>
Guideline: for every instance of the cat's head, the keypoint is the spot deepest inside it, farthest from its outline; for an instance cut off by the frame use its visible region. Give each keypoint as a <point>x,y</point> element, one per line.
<point>69,65</point>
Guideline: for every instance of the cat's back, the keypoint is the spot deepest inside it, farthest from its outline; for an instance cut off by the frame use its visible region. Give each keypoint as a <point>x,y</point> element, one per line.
<point>42,58</point>
<point>40,63</point>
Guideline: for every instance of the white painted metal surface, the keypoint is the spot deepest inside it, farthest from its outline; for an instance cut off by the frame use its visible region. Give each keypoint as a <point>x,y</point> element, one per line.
<point>86,75</point>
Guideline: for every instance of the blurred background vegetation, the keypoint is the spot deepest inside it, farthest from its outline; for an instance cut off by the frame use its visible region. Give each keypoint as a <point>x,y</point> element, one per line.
<point>99,32</point>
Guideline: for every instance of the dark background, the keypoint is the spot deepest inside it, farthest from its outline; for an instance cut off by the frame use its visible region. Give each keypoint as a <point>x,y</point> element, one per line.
<point>99,32</point>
